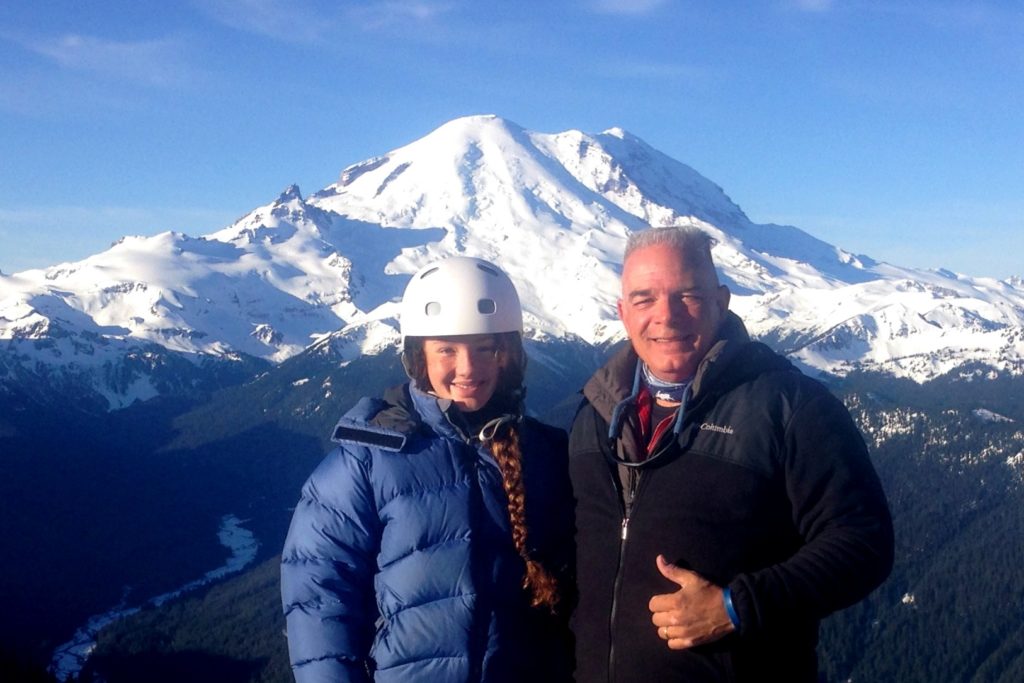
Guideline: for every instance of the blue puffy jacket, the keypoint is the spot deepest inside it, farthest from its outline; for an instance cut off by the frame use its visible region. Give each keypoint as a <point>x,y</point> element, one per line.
<point>399,563</point>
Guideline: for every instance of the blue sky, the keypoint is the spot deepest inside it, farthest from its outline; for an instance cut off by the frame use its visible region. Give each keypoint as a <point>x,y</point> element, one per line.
<point>893,129</point>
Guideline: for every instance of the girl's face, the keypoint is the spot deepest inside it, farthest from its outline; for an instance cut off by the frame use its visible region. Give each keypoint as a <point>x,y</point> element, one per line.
<point>464,369</point>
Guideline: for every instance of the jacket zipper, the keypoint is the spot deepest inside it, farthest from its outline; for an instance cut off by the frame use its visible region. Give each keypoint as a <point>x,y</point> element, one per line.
<point>628,501</point>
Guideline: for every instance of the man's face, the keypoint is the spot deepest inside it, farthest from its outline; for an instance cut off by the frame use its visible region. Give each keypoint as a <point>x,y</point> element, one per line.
<point>671,312</point>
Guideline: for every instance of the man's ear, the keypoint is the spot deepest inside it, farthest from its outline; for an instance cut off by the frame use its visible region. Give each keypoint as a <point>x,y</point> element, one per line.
<point>723,296</point>
<point>618,307</point>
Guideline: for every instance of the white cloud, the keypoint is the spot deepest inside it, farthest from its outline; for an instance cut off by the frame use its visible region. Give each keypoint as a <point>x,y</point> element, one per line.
<point>317,21</point>
<point>627,6</point>
<point>151,62</point>
<point>813,5</point>
<point>658,71</point>
<point>280,20</point>
<point>379,14</point>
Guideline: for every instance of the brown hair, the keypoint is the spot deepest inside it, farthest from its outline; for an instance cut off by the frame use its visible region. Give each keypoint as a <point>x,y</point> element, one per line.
<point>504,446</point>
<point>538,580</point>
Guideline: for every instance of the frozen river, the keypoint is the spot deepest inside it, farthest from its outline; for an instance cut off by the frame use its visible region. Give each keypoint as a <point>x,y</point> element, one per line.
<point>69,658</point>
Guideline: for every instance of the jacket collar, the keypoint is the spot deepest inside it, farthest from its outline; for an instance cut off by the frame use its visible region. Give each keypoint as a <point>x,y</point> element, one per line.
<point>389,421</point>
<point>404,410</point>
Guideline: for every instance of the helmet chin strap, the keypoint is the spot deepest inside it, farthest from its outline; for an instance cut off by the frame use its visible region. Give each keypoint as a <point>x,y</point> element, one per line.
<point>407,364</point>
<point>490,429</point>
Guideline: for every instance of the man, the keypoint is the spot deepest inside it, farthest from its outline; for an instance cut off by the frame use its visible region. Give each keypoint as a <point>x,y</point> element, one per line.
<point>725,501</point>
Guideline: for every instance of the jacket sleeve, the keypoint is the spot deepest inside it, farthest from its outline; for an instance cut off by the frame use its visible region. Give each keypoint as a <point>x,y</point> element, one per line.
<point>840,512</point>
<point>563,662</point>
<point>327,569</point>
<point>546,467</point>
<point>560,520</point>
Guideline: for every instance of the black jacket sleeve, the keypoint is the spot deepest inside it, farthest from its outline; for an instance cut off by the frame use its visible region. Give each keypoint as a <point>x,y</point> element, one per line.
<point>839,510</point>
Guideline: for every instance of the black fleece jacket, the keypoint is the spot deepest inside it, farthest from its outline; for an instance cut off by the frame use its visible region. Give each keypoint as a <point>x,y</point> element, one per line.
<point>768,489</point>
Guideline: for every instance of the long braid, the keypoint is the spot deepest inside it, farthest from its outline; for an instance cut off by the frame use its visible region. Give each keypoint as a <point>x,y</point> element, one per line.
<point>538,581</point>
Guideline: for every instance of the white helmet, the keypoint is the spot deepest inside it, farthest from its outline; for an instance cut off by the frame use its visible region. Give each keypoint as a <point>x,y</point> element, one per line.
<point>460,295</point>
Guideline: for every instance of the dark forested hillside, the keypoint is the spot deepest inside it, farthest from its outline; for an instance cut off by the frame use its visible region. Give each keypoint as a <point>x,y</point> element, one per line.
<point>86,521</point>
<point>132,499</point>
<point>232,632</point>
<point>952,609</point>
<point>103,509</point>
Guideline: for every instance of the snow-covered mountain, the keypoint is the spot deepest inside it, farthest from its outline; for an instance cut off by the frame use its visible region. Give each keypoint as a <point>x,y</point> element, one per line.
<point>553,209</point>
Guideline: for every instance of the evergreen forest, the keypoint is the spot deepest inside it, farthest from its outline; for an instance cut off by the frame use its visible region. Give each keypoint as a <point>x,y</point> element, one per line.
<point>950,454</point>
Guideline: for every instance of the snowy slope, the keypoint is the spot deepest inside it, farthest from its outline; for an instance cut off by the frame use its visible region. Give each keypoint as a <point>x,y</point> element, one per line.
<point>553,209</point>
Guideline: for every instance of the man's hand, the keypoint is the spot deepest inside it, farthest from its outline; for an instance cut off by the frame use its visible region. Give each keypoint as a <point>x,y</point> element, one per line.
<point>693,615</point>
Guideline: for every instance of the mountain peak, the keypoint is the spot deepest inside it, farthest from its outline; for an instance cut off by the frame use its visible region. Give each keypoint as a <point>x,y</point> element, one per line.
<point>475,123</point>
<point>471,133</point>
<point>290,193</point>
<point>554,210</point>
<point>620,133</point>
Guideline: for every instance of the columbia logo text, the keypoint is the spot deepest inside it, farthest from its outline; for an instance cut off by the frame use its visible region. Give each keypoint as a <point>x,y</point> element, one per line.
<point>708,427</point>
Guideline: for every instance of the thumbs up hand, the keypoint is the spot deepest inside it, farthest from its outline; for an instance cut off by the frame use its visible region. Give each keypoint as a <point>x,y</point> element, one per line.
<point>692,615</point>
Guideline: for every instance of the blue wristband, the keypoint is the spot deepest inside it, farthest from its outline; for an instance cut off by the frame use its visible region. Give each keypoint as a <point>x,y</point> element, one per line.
<point>730,609</point>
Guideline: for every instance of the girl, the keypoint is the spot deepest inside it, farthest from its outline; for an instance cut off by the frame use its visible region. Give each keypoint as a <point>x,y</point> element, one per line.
<point>435,542</point>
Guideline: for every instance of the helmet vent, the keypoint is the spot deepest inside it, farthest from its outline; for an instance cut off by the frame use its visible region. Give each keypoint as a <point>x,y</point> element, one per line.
<point>433,308</point>
<point>486,306</point>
